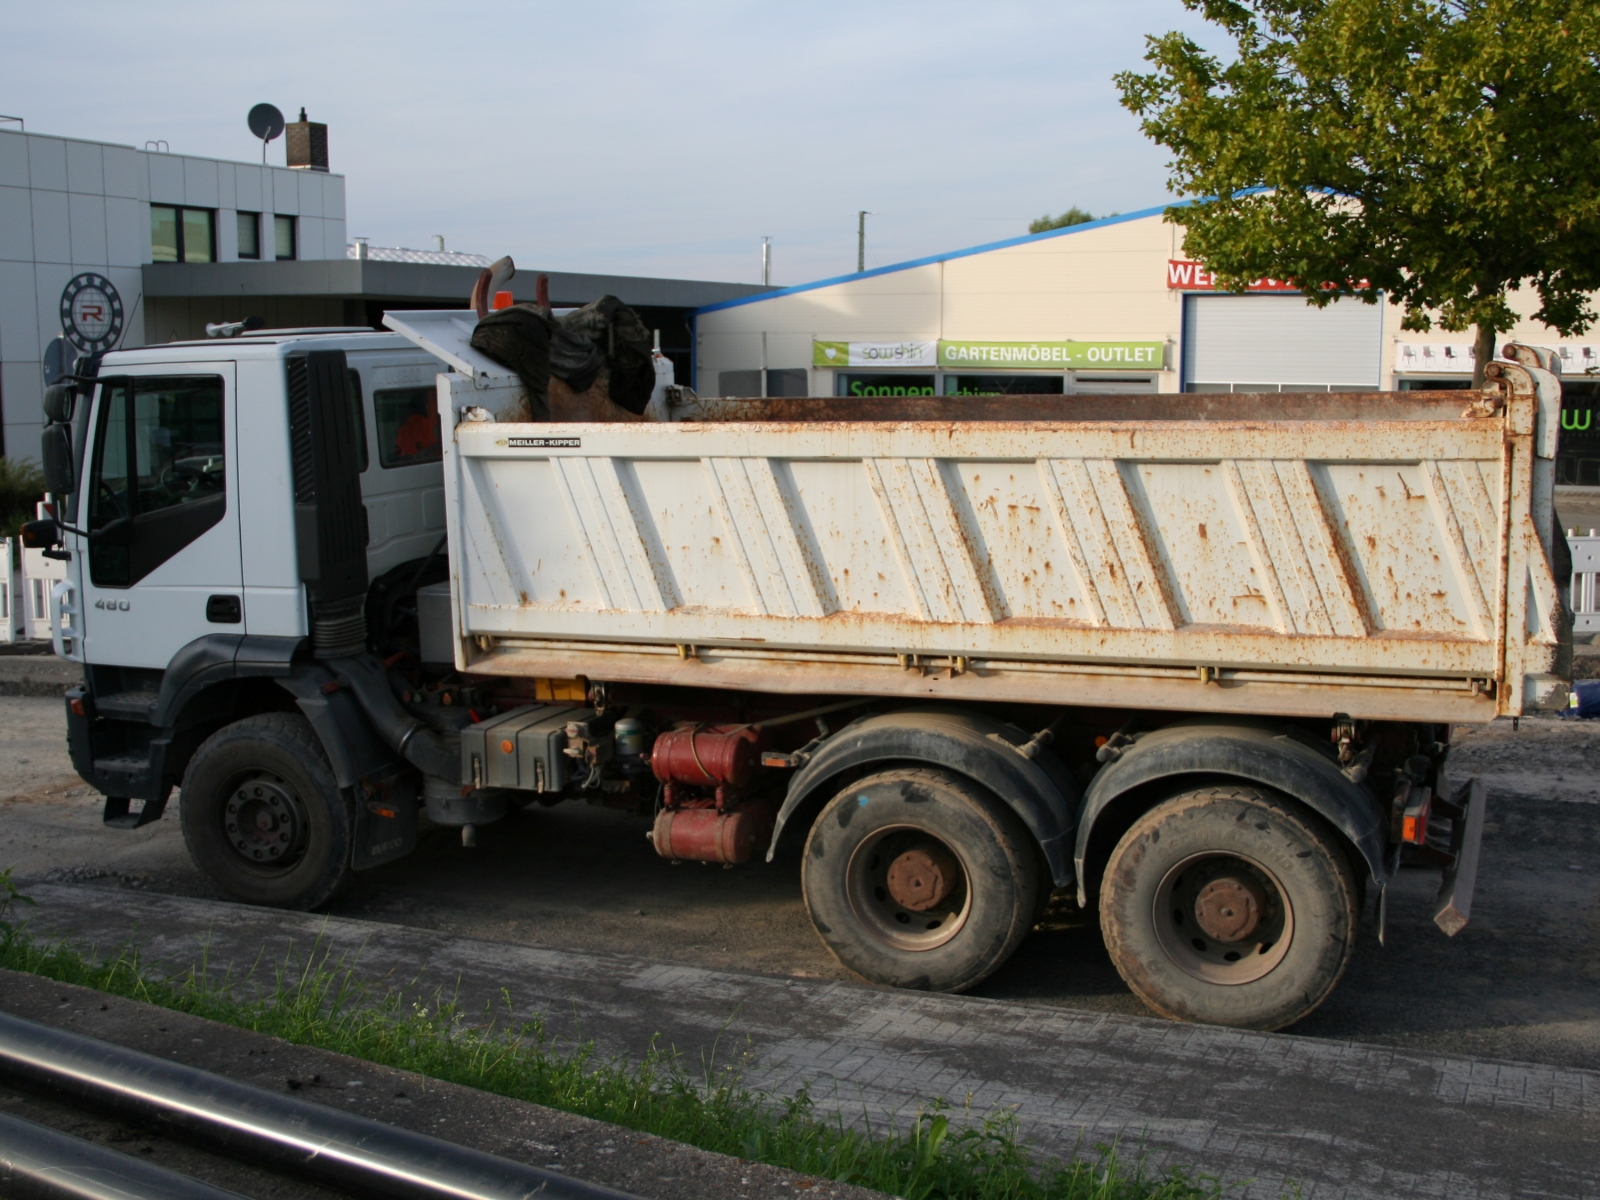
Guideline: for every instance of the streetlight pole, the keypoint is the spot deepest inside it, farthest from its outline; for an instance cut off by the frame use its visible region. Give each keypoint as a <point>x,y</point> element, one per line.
<point>861,240</point>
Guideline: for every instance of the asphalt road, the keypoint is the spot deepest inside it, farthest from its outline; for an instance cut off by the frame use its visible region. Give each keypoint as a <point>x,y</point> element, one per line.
<point>1521,982</point>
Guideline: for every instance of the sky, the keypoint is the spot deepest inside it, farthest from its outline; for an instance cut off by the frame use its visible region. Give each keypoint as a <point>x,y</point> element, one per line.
<point>659,139</point>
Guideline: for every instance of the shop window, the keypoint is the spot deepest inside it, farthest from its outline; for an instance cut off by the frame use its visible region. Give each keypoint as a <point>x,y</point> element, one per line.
<point>283,238</point>
<point>781,381</point>
<point>1578,450</point>
<point>249,235</point>
<point>408,426</point>
<point>1004,385</point>
<point>1433,385</point>
<point>1112,385</point>
<point>788,381</point>
<point>884,384</point>
<point>182,234</point>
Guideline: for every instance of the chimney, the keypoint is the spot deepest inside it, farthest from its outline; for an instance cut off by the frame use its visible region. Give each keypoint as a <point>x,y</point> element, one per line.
<point>307,144</point>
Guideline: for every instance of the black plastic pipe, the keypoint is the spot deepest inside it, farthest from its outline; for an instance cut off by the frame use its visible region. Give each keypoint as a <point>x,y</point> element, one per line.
<point>408,736</point>
<point>37,1163</point>
<point>332,1147</point>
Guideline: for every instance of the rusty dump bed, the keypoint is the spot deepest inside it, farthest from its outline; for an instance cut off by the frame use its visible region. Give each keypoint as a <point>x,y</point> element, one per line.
<point>1385,555</point>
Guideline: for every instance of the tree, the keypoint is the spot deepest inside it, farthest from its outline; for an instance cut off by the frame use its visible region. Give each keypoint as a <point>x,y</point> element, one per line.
<point>1441,152</point>
<point>1073,216</point>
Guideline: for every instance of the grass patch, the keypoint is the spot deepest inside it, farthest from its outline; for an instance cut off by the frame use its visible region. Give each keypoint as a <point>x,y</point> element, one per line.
<point>321,1003</point>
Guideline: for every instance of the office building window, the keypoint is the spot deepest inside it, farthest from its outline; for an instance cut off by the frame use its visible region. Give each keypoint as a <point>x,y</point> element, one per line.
<point>283,237</point>
<point>182,234</point>
<point>249,235</point>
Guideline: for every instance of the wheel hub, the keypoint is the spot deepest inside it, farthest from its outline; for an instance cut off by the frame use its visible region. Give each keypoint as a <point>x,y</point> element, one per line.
<point>908,889</point>
<point>923,877</point>
<point>262,820</point>
<point>1223,918</point>
<point>1230,909</point>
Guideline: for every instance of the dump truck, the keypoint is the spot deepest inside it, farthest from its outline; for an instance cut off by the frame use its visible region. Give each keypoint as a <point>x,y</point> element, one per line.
<point>1189,661</point>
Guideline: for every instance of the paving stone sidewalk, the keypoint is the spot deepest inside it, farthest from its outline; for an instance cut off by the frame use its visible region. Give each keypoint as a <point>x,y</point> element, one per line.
<point>1266,1112</point>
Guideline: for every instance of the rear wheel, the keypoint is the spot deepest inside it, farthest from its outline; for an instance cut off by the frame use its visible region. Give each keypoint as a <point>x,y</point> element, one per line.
<point>263,815</point>
<point>1231,906</point>
<point>920,879</point>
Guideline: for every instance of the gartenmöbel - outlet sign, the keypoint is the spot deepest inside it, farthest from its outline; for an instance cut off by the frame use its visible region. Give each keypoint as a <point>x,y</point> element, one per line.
<point>1037,356</point>
<point>1104,356</point>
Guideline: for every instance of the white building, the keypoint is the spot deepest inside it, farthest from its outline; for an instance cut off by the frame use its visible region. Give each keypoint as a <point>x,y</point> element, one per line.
<point>1110,306</point>
<point>70,208</point>
<point>137,247</point>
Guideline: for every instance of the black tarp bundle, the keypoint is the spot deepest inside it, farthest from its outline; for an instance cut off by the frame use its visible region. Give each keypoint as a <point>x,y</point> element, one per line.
<point>604,336</point>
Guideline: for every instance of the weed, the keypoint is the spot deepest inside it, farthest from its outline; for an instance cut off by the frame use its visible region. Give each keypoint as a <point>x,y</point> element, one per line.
<point>321,1003</point>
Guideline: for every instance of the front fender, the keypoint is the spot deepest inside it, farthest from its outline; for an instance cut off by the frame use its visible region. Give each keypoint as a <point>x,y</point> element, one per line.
<point>979,747</point>
<point>1270,757</point>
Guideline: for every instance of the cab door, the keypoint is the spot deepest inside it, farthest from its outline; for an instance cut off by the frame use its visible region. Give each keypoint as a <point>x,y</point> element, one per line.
<point>162,566</point>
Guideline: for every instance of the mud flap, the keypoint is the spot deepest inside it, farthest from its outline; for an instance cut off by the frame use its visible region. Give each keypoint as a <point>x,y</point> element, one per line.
<point>386,818</point>
<point>1465,809</point>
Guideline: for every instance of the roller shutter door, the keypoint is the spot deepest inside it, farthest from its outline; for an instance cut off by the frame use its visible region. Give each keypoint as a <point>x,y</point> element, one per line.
<point>1279,341</point>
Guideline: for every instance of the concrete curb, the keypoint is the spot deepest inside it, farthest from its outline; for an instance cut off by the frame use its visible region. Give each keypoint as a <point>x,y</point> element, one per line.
<point>1263,1112</point>
<point>640,1163</point>
<point>38,675</point>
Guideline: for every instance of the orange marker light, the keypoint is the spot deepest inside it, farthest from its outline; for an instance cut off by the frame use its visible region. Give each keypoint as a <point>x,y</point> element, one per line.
<point>507,746</point>
<point>503,300</point>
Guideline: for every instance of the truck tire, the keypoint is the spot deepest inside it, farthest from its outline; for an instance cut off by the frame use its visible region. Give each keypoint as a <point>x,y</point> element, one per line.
<point>917,878</point>
<point>263,816</point>
<point>1231,906</point>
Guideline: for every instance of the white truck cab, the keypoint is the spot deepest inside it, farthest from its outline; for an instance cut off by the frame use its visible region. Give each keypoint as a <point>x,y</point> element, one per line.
<point>210,543</point>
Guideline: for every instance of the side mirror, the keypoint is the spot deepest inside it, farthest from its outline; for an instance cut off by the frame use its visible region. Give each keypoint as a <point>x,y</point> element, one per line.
<point>42,534</point>
<point>59,399</point>
<point>55,455</point>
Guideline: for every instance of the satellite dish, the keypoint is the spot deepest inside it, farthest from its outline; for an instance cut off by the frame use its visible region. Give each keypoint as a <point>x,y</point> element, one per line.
<point>266,122</point>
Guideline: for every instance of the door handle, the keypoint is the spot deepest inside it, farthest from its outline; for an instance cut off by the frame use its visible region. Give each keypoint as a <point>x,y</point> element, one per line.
<point>224,610</point>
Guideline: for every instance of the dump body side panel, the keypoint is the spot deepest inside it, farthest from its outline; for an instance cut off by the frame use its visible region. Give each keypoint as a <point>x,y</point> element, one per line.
<point>1388,569</point>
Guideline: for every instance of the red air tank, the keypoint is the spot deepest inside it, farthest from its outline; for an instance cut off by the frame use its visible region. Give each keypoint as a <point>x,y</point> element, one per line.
<point>713,756</point>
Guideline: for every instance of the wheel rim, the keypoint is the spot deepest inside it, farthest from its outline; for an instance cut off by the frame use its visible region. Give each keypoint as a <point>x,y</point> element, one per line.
<point>1223,918</point>
<point>263,820</point>
<point>908,888</point>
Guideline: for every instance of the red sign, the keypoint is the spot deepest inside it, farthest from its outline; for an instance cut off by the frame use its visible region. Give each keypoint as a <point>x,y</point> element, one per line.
<point>1187,276</point>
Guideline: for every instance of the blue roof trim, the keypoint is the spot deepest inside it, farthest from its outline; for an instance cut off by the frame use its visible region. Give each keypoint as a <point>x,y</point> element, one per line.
<point>937,258</point>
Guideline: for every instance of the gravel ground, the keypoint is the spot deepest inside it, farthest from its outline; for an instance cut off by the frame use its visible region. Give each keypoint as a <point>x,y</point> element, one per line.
<point>1521,982</point>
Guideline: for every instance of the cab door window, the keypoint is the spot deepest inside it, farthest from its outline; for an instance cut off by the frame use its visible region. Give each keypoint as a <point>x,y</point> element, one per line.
<point>159,476</point>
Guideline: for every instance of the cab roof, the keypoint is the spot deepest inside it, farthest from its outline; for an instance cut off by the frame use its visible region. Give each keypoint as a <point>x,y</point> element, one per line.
<point>263,343</point>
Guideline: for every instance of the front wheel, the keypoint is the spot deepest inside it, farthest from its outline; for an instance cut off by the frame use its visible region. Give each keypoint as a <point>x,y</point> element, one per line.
<point>920,879</point>
<point>1231,906</point>
<point>263,815</point>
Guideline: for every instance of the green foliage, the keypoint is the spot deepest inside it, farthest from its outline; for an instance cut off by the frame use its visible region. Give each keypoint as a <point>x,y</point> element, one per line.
<point>1073,216</point>
<point>321,1003</point>
<point>21,487</point>
<point>1440,151</point>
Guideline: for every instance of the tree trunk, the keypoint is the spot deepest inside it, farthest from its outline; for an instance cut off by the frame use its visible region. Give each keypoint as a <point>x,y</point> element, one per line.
<point>1482,352</point>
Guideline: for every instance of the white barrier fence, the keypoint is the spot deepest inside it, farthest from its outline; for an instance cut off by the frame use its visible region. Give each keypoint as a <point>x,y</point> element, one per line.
<point>1584,595</point>
<point>13,625</point>
<point>25,600</point>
